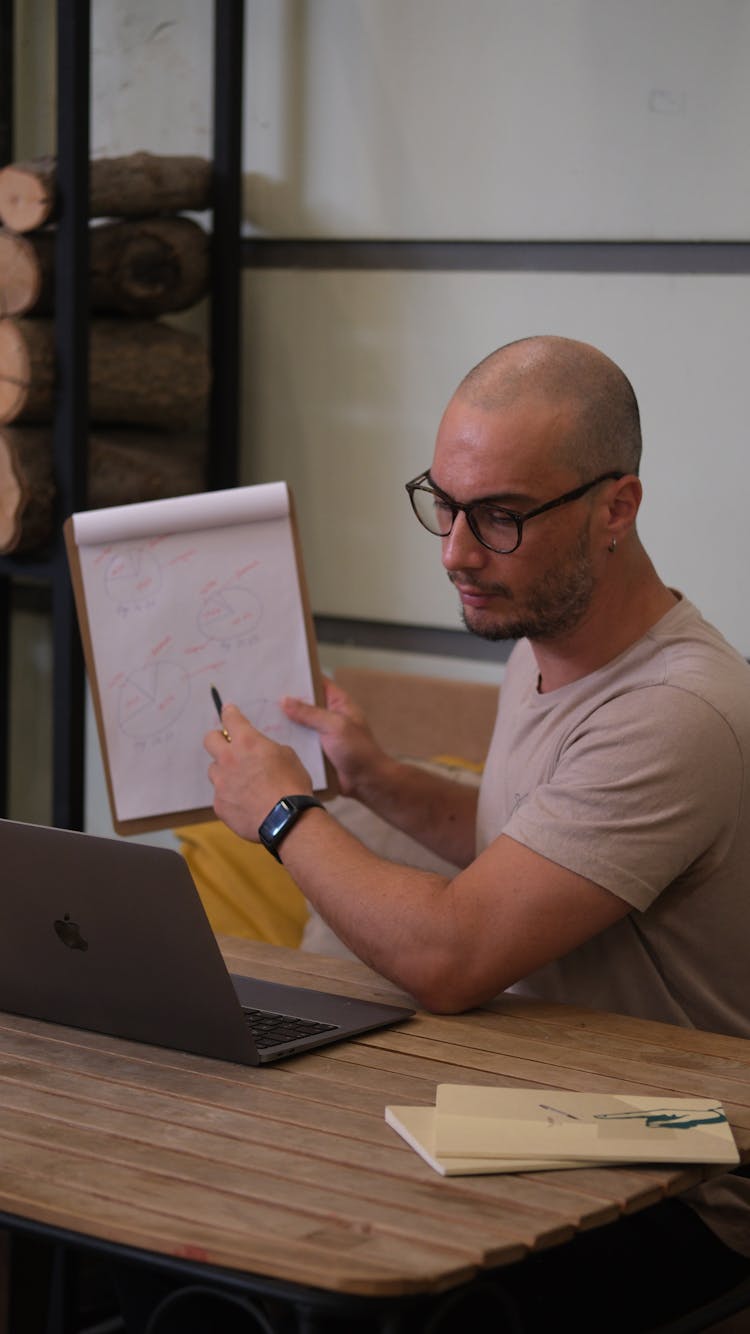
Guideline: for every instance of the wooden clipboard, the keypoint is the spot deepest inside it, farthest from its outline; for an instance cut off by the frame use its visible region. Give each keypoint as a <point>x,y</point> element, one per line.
<point>97,626</point>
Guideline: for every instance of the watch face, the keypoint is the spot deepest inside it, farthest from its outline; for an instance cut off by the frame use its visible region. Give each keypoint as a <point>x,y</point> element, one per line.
<point>281,818</point>
<point>276,821</point>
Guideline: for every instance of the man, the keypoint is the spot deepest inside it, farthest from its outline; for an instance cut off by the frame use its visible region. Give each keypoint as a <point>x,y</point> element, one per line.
<point>604,862</point>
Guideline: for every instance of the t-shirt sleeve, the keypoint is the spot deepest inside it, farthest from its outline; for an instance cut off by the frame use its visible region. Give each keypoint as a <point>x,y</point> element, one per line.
<point>648,786</point>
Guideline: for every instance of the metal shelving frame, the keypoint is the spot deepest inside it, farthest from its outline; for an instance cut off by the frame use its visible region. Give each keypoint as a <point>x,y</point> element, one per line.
<point>50,570</point>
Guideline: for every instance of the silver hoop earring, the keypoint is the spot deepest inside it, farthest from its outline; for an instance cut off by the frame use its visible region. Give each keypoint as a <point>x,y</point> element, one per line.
<point>613,544</point>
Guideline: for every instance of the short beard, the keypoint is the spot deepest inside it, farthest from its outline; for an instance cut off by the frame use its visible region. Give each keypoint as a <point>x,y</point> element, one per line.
<point>554,607</point>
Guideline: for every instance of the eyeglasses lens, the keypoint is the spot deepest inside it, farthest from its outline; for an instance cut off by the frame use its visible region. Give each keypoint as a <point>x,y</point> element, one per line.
<point>434,513</point>
<point>494,526</point>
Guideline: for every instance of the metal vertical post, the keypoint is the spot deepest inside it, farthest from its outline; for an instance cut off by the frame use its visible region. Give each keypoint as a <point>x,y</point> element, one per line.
<point>6,155</point>
<point>71,415</point>
<point>6,81</point>
<point>227,215</point>
<point>5,633</point>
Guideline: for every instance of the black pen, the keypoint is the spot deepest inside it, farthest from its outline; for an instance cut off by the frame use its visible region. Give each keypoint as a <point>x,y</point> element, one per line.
<point>216,697</point>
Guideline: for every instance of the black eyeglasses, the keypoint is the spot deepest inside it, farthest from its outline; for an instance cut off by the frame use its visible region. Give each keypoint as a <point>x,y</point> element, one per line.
<point>496,527</point>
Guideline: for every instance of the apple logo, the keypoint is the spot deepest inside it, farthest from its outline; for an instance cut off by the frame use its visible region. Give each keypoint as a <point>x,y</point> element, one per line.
<point>70,933</point>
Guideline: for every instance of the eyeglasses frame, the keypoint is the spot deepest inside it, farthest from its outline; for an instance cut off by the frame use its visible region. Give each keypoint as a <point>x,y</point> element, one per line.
<point>518,518</point>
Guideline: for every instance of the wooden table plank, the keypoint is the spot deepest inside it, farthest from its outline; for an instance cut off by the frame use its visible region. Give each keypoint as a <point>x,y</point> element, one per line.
<point>260,1171</point>
<point>288,1205</point>
<point>619,1025</point>
<point>665,1053</point>
<point>459,1031</point>
<point>535,1214</point>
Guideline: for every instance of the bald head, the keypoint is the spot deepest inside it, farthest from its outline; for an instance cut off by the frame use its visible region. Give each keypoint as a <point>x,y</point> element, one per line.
<point>605,433</point>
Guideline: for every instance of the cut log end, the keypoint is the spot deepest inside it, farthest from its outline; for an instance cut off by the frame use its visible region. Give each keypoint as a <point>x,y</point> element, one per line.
<point>15,371</point>
<point>27,490</point>
<point>20,275</point>
<point>11,503</point>
<point>25,199</point>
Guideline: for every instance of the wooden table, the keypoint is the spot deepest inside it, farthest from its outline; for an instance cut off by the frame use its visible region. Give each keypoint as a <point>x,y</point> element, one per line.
<point>288,1177</point>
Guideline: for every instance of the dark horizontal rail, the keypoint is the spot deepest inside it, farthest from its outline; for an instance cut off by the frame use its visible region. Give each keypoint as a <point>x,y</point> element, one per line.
<point>399,638</point>
<point>705,257</point>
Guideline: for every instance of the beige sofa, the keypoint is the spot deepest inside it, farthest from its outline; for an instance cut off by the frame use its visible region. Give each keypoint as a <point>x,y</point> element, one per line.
<point>424,716</point>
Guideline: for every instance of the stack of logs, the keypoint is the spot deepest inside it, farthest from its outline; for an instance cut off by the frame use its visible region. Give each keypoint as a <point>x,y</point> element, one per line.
<point>148,381</point>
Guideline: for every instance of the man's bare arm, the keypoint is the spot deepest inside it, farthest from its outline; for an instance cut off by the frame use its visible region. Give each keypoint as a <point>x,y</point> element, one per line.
<point>452,944</point>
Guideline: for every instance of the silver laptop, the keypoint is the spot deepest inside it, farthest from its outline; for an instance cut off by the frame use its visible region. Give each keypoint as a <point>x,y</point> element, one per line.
<point>102,934</point>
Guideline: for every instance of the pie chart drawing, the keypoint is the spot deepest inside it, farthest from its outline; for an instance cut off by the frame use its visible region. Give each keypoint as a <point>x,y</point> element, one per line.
<point>152,698</point>
<point>230,613</point>
<point>132,575</point>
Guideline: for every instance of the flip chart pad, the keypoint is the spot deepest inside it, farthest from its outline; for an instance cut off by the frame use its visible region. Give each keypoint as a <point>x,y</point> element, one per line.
<point>174,597</point>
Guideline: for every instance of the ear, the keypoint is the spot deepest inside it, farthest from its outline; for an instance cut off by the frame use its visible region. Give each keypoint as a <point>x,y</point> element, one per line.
<point>623,503</point>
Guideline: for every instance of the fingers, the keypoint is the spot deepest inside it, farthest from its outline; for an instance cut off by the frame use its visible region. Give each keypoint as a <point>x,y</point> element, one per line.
<point>336,698</point>
<point>232,720</point>
<point>230,713</point>
<point>212,742</point>
<point>329,717</point>
<point>309,715</point>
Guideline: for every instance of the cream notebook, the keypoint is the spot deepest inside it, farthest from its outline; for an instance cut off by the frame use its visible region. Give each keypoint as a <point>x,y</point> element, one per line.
<point>477,1129</point>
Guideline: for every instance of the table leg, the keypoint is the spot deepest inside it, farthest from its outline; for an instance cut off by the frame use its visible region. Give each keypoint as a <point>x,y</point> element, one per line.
<point>483,1307</point>
<point>195,1308</point>
<point>4,1282</point>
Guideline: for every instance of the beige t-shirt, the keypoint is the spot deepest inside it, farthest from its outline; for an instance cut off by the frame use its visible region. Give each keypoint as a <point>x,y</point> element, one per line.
<point>635,776</point>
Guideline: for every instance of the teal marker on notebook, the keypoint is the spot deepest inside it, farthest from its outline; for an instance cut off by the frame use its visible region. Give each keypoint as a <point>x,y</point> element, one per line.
<point>216,697</point>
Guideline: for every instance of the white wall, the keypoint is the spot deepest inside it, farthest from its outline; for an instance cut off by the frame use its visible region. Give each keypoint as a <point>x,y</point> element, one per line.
<point>552,119</point>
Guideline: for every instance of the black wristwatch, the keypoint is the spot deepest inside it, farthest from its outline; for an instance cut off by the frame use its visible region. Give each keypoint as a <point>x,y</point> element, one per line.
<point>279,821</point>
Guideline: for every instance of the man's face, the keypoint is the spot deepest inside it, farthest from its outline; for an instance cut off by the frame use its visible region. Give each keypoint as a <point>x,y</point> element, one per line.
<point>542,590</point>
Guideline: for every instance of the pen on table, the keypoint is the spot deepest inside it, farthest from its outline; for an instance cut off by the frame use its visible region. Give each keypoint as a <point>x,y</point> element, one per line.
<point>216,697</point>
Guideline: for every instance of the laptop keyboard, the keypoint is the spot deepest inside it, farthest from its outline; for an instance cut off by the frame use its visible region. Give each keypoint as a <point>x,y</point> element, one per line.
<point>270,1029</point>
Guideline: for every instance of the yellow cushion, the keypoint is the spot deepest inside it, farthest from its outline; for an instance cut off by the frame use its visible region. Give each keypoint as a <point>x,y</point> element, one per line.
<point>244,890</point>
<point>448,762</point>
